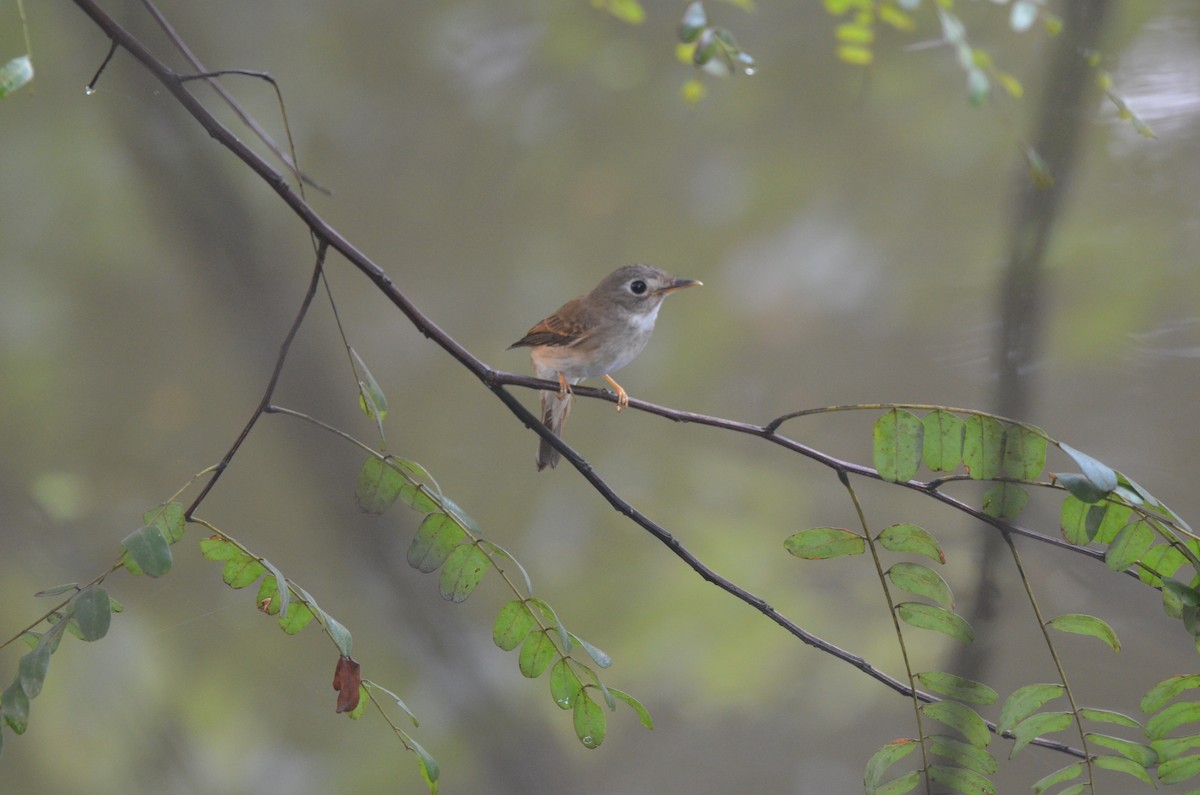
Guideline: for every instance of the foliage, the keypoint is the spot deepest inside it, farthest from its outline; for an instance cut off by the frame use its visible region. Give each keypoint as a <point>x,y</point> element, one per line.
<point>1103,510</point>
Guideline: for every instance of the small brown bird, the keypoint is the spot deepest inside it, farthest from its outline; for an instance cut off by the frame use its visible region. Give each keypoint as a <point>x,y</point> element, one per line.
<point>595,334</point>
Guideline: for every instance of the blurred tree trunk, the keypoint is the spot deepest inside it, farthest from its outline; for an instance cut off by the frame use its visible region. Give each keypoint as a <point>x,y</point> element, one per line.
<point>1058,133</point>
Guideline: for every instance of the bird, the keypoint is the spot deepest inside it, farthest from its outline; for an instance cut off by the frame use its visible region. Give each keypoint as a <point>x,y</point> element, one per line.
<point>595,335</point>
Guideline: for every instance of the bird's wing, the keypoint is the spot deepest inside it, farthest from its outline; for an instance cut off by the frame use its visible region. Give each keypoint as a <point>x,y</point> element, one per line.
<point>557,330</point>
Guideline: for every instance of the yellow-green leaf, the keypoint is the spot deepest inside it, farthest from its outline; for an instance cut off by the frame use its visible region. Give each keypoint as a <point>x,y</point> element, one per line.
<point>961,718</point>
<point>1080,624</point>
<point>983,447</point>
<point>922,581</point>
<point>943,446</point>
<point>906,537</point>
<point>821,543</point>
<point>958,688</point>
<point>462,572</point>
<point>883,759</point>
<point>1128,547</point>
<point>1035,726</point>
<point>898,445</point>
<point>1024,702</point>
<point>937,619</point>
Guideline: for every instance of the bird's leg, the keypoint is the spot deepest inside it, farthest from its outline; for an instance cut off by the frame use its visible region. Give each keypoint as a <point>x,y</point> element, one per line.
<point>622,395</point>
<point>564,388</point>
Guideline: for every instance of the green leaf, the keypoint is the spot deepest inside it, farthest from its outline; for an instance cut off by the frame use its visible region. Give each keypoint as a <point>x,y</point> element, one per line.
<point>371,399</point>
<point>146,552</point>
<point>922,581</point>
<point>598,655</point>
<point>512,625</point>
<point>694,20</point>
<point>1073,770</point>
<point>1172,748</point>
<point>1164,559</point>
<point>942,451</point>
<point>1080,624</point>
<point>429,766</point>
<point>1080,521</point>
<point>242,571</point>
<point>1171,718</point>
<point>822,543</point>
<point>296,618</point>
<point>1116,516</point>
<point>564,637</point>
<point>1080,487</point>
<point>1129,546</point>
<point>378,486</point>
<point>1174,771</point>
<point>1144,755</point>
<point>462,573</point>
<point>1100,474</point>
<point>1187,596</point>
<point>1035,726</point>
<point>267,599</point>
<point>910,538</point>
<point>1123,765</point>
<point>961,718</point>
<point>92,611</point>
<point>957,688</point>
<point>1004,500</point>
<point>1158,696</point>
<point>564,684</point>
<point>1024,452</point>
<point>937,619</point>
<point>1108,716</point>
<point>963,754</point>
<point>31,670</point>
<point>883,759</point>
<point>642,713</point>
<point>283,594</point>
<point>589,721</point>
<point>983,447</point>
<point>898,443</point>
<point>15,75</point>
<point>169,519</point>
<point>537,652</point>
<point>1024,702</point>
<point>14,705</point>
<point>961,779</point>
<point>340,635</point>
<point>436,538</point>
<point>217,548</point>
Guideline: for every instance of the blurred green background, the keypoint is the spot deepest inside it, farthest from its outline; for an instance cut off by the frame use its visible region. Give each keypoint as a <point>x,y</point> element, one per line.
<point>497,159</point>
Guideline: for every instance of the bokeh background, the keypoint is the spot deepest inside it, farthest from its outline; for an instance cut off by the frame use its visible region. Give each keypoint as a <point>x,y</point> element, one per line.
<point>851,228</point>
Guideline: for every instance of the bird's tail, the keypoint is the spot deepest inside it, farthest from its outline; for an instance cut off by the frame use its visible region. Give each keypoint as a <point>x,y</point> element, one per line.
<point>554,417</point>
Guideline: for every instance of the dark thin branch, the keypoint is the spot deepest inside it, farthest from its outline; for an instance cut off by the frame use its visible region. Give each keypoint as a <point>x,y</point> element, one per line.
<point>234,105</point>
<point>270,390</point>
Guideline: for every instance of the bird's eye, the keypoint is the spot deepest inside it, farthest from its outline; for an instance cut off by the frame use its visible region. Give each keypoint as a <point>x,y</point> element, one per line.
<point>637,287</point>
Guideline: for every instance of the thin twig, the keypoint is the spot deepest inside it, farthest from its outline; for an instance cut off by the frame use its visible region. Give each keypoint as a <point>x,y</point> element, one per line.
<point>234,105</point>
<point>270,390</point>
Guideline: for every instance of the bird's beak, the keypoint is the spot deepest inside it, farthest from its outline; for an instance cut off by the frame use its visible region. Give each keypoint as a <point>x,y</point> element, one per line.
<point>680,284</point>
